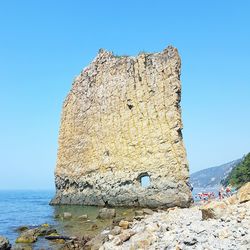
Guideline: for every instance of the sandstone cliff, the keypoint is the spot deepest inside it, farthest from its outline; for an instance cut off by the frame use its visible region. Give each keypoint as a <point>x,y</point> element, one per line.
<point>121,121</point>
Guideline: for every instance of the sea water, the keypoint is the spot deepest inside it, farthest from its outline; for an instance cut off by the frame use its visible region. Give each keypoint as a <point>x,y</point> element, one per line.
<point>19,208</point>
<point>31,208</point>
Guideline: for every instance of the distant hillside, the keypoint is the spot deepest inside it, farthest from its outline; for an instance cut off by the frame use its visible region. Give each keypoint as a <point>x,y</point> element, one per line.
<point>240,174</point>
<point>211,177</point>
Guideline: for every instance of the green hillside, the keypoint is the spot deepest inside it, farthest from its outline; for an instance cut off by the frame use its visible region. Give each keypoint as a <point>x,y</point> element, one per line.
<point>240,174</point>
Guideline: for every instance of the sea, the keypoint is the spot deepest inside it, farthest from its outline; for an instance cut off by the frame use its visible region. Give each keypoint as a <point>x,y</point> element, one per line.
<point>31,208</point>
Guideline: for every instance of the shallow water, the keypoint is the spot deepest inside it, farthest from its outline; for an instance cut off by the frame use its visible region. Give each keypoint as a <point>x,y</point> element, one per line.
<point>23,208</point>
<point>31,208</point>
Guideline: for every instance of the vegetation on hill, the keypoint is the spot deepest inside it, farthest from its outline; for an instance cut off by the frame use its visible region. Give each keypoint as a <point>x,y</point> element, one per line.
<point>212,177</point>
<point>240,174</point>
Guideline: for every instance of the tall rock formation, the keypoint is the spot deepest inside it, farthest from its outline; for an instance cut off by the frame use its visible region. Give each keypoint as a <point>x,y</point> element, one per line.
<point>121,122</point>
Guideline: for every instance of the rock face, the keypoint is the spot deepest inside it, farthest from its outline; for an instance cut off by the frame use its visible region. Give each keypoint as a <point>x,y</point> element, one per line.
<point>121,123</point>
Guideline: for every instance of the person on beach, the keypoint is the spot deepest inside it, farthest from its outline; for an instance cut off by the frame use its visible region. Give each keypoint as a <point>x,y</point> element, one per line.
<point>221,193</point>
<point>228,191</point>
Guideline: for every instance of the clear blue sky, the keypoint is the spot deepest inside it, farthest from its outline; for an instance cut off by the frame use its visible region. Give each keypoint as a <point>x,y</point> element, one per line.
<point>45,44</point>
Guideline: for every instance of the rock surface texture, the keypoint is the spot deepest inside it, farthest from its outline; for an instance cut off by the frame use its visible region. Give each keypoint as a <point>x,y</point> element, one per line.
<point>121,122</point>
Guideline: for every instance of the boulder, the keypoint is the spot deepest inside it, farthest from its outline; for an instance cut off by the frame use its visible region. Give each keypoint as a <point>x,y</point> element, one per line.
<point>83,217</point>
<point>139,213</point>
<point>96,242</point>
<point>116,230</point>
<point>28,236</point>
<point>213,210</point>
<point>124,236</point>
<point>147,211</point>
<point>44,231</point>
<point>22,228</point>
<point>117,220</point>
<point>124,224</point>
<point>139,218</point>
<point>243,194</point>
<point>106,213</point>
<point>67,215</point>
<point>94,227</point>
<point>75,244</point>
<point>4,243</point>
<point>231,200</point>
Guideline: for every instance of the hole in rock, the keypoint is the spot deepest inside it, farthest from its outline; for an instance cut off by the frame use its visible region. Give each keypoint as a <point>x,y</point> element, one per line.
<point>106,153</point>
<point>129,104</point>
<point>144,180</point>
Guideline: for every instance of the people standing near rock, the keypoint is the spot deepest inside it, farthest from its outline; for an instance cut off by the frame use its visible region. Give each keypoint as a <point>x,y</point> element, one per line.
<point>228,191</point>
<point>222,193</point>
<point>219,194</point>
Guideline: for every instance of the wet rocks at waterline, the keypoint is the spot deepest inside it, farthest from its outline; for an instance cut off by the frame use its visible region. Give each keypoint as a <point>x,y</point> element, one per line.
<point>4,243</point>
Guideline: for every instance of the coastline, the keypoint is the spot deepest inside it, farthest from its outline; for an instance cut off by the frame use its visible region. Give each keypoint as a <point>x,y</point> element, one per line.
<point>214,224</point>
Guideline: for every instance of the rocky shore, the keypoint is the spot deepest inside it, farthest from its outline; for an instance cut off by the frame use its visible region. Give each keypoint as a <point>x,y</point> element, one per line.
<point>215,225</point>
<point>211,225</point>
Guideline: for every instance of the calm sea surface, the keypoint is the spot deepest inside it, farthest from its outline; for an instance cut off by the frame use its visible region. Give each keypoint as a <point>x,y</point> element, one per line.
<point>24,208</point>
<point>31,208</point>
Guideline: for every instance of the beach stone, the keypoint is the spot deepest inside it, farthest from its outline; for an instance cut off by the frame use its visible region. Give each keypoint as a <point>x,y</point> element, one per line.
<point>223,233</point>
<point>94,227</point>
<point>83,217</point>
<point>77,244</point>
<point>190,240</point>
<point>213,210</point>
<point>139,213</point>
<point>231,200</point>
<point>67,215</point>
<point>187,229</point>
<point>22,228</point>
<point>116,230</point>
<point>147,211</point>
<point>124,224</point>
<point>124,236</point>
<point>97,242</point>
<point>106,213</point>
<point>121,123</point>
<point>23,247</point>
<point>117,220</point>
<point>139,217</point>
<point>45,225</point>
<point>28,236</point>
<point>243,194</point>
<point>4,243</point>
<point>44,231</point>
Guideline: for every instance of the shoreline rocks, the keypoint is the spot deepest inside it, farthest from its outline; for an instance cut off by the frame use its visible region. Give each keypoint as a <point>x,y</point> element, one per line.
<point>224,225</point>
<point>30,235</point>
<point>215,225</point>
<point>185,229</point>
<point>4,243</point>
<point>106,213</point>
